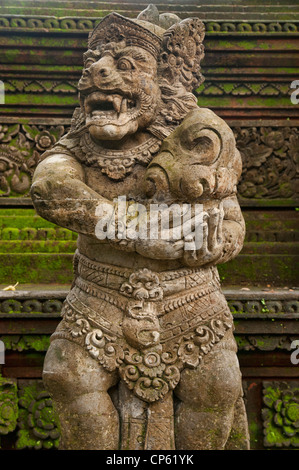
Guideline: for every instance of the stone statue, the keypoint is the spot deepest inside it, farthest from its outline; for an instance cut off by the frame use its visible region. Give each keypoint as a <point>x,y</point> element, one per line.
<point>144,357</point>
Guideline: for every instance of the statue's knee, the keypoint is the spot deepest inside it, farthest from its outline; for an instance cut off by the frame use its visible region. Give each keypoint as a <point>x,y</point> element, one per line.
<point>215,384</point>
<point>70,372</point>
<point>59,373</point>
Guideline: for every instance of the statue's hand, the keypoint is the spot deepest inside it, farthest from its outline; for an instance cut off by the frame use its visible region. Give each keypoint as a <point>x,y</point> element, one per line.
<point>165,238</point>
<point>210,241</point>
<point>160,249</point>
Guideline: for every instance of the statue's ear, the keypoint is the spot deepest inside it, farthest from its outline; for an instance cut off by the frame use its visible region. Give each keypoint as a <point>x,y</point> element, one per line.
<point>182,52</point>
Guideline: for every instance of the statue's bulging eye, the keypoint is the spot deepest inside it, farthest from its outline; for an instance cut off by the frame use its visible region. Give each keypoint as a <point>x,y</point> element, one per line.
<point>89,62</point>
<point>125,64</point>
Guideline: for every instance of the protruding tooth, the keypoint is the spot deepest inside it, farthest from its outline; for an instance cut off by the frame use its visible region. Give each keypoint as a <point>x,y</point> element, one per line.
<point>124,105</point>
<point>117,100</point>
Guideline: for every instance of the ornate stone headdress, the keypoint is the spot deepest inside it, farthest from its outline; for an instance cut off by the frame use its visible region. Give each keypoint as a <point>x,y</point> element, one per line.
<point>178,49</point>
<point>117,28</point>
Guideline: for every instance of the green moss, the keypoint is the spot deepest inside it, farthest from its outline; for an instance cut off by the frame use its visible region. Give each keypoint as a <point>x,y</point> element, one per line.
<point>260,269</point>
<point>8,405</point>
<point>60,100</point>
<point>280,416</point>
<point>214,436</point>
<point>24,440</point>
<point>23,221</point>
<point>14,212</point>
<point>260,343</point>
<point>36,268</point>
<point>241,341</point>
<point>237,437</point>
<point>22,224</point>
<point>253,430</point>
<point>242,102</point>
<point>10,233</point>
<point>37,419</point>
<point>264,308</point>
<point>246,45</point>
<point>273,435</point>
<point>38,343</point>
<point>37,246</point>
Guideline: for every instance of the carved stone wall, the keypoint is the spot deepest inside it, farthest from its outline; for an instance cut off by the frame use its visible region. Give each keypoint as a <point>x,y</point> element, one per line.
<point>252,51</point>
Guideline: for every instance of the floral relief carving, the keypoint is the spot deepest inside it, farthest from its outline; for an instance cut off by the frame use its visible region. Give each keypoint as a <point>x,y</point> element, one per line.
<point>20,150</point>
<point>270,162</point>
<point>8,405</point>
<point>281,415</point>
<point>37,422</point>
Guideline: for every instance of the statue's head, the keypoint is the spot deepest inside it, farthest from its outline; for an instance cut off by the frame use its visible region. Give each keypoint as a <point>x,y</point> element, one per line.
<point>139,75</point>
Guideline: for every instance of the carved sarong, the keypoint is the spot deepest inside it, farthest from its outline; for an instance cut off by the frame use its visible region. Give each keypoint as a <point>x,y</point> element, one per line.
<point>156,324</point>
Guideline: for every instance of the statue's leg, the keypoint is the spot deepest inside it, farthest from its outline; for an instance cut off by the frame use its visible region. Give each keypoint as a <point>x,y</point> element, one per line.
<point>208,394</point>
<point>236,440</point>
<point>79,388</point>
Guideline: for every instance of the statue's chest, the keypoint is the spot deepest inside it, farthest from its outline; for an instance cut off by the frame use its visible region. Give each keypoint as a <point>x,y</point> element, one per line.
<point>115,173</point>
<point>131,185</point>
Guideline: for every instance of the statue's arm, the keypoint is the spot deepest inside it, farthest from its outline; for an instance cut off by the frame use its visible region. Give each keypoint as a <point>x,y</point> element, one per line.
<point>60,195</point>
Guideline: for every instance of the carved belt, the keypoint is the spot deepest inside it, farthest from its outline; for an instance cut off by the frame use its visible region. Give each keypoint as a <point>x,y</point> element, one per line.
<point>148,325</point>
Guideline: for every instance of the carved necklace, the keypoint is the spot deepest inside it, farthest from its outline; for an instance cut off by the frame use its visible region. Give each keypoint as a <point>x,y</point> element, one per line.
<point>117,164</point>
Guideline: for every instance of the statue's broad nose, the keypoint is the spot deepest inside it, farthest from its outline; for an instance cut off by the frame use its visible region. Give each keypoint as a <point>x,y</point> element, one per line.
<point>103,67</point>
<point>104,71</point>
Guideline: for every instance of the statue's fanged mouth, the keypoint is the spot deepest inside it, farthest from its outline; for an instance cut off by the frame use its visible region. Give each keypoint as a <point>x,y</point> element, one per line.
<point>111,107</point>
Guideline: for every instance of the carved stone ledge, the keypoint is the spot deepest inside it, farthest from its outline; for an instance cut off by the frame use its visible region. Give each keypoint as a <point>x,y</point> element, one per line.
<point>40,86</point>
<point>20,343</point>
<point>260,89</point>
<point>264,342</point>
<point>257,304</point>
<point>81,25</point>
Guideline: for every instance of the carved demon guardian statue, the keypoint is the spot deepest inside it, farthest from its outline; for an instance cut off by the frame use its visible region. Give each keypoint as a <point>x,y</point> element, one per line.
<point>144,357</point>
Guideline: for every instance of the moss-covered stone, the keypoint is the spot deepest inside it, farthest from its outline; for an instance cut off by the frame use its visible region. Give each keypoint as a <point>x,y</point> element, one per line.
<point>36,268</point>
<point>20,343</point>
<point>281,415</point>
<point>37,420</point>
<point>8,405</point>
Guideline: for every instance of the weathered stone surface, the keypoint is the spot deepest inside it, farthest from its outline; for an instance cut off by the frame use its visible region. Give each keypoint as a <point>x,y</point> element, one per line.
<point>145,313</point>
